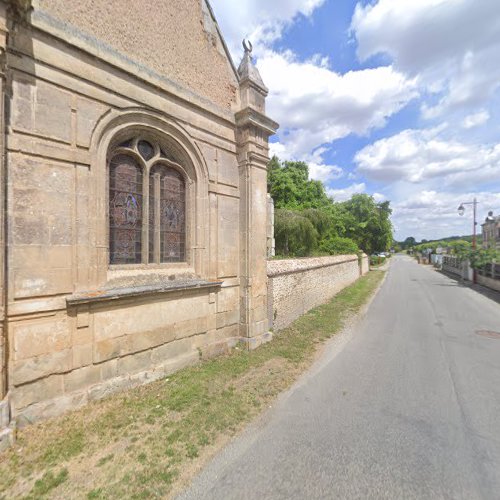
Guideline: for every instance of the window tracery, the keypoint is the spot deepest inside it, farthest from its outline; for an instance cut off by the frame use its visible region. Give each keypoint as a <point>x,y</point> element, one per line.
<point>147,205</point>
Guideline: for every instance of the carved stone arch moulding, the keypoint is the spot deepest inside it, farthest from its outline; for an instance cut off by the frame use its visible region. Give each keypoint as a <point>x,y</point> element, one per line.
<point>117,126</point>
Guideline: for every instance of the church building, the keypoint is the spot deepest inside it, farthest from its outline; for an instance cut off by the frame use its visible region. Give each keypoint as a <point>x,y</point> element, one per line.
<point>133,198</point>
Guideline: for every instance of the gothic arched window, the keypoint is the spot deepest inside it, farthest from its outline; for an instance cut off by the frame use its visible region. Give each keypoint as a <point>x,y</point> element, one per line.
<point>147,205</point>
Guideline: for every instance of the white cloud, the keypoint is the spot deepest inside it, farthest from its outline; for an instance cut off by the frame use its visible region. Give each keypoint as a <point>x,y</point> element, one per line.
<point>422,156</point>
<point>444,52</point>
<point>318,170</point>
<point>379,197</point>
<point>433,214</point>
<point>345,193</point>
<point>315,105</point>
<point>452,46</point>
<point>259,20</point>
<point>324,173</point>
<point>427,176</point>
<point>476,119</point>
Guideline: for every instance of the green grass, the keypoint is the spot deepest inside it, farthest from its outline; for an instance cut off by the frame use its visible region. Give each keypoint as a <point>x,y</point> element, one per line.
<point>146,442</point>
<point>46,484</point>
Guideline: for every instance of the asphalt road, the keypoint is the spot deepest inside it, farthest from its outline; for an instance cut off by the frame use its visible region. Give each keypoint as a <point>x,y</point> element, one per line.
<point>408,408</point>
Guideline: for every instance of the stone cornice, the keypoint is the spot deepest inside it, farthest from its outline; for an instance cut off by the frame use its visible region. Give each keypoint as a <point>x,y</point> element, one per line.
<point>111,294</point>
<point>251,117</point>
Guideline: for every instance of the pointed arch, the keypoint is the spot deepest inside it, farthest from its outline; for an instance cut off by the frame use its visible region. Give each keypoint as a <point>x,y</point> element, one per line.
<point>114,135</point>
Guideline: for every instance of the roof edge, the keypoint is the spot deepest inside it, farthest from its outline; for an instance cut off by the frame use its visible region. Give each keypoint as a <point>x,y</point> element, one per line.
<point>224,44</point>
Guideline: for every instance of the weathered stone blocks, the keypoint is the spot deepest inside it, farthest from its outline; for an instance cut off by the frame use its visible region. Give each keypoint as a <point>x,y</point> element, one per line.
<point>229,257</point>
<point>42,336</point>
<point>27,370</point>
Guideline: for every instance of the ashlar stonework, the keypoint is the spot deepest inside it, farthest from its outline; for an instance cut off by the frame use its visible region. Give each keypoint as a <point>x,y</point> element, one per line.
<point>134,179</point>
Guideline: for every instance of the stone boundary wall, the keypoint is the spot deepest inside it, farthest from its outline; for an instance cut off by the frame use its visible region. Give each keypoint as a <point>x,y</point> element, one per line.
<point>489,282</point>
<point>365,264</point>
<point>463,270</point>
<point>297,285</point>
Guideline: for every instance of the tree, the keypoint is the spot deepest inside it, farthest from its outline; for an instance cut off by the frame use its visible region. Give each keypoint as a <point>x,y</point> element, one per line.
<point>368,223</point>
<point>306,219</point>
<point>335,245</point>
<point>295,234</point>
<point>409,242</point>
<point>290,186</point>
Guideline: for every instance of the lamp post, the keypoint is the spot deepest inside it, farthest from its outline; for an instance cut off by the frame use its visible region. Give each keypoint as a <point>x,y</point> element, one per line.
<point>461,211</point>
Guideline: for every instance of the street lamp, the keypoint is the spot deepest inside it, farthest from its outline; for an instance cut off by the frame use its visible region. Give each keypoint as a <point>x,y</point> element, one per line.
<point>461,211</point>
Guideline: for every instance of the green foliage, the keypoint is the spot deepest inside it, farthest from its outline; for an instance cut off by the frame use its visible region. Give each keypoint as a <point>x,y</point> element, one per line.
<point>290,187</point>
<point>410,242</point>
<point>336,245</point>
<point>295,234</point>
<point>460,248</point>
<point>320,219</point>
<point>47,482</point>
<point>482,256</point>
<point>369,223</point>
<point>306,219</point>
<point>376,260</point>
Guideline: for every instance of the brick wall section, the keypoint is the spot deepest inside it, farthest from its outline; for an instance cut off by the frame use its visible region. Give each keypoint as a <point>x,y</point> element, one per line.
<point>297,285</point>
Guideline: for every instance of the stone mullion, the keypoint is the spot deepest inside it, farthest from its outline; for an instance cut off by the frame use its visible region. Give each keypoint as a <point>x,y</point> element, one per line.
<point>145,217</point>
<point>157,219</point>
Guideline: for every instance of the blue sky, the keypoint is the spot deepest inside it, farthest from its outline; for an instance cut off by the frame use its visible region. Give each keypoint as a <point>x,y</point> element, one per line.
<point>399,99</point>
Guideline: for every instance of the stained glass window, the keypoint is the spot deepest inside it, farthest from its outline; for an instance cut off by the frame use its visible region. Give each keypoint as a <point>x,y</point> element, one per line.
<point>125,209</point>
<point>168,196</point>
<point>163,218</point>
<point>146,149</point>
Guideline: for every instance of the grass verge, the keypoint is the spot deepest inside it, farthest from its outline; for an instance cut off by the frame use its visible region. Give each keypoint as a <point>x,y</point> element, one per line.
<point>149,441</point>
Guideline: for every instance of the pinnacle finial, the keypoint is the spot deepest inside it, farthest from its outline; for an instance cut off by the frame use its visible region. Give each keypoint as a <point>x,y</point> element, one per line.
<point>247,45</point>
<point>247,69</point>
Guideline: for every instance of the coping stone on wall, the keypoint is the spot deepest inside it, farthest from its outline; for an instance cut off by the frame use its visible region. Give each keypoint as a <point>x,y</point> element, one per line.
<point>288,266</point>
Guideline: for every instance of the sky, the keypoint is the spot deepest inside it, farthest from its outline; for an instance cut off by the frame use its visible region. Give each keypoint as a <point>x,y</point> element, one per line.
<point>399,99</point>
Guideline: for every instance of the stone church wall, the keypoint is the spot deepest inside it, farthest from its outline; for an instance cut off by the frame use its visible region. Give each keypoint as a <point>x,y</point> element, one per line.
<point>162,36</point>
<point>296,286</point>
<point>71,336</point>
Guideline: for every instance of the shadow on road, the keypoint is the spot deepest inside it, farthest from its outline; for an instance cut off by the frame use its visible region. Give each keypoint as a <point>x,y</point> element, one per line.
<point>487,292</point>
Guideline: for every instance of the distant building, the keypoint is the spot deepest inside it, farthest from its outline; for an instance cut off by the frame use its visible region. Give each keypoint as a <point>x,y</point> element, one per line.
<point>491,231</point>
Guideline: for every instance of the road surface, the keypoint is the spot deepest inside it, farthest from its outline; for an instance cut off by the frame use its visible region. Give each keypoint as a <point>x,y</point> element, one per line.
<point>409,408</point>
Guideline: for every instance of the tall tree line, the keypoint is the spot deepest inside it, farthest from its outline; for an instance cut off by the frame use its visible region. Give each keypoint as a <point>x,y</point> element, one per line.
<point>309,222</point>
